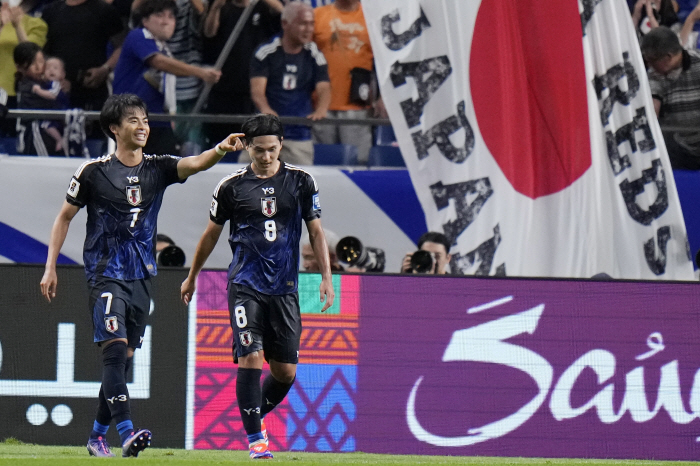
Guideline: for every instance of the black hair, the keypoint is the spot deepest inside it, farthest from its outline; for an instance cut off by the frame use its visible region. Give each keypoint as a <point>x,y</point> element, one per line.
<point>434,237</point>
<point>149,7</point>
<point>659,42</point>
<point>262,124</point>
<point>161,238</point>
<point>116,108</point>
<point>24,55</point>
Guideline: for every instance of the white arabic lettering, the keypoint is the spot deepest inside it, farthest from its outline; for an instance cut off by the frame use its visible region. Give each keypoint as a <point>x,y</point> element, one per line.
<point>65,384</point>
<point>485,343</point>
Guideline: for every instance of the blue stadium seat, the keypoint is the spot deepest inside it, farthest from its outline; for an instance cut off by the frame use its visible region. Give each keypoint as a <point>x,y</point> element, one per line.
<point>335,154</point>
<point>385,156</point>
<point>384,136</point>
<point>96,147</point>
<point>7,145</point>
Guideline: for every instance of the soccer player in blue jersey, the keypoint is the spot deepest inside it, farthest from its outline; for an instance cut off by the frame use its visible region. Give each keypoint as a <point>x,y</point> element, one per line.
<point>123,193</point>
<point>265,203</point>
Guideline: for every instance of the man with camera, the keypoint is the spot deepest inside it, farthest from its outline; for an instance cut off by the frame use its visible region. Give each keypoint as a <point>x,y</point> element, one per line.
<point>432,256</point>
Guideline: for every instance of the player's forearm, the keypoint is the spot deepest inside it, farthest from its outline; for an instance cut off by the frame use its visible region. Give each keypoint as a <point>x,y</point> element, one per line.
<point>320,248</point>
<point>204,249</point>
<point>59,231</point>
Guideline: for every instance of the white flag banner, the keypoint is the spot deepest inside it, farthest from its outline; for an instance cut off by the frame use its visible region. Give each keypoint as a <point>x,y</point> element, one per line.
<point>530,136</point>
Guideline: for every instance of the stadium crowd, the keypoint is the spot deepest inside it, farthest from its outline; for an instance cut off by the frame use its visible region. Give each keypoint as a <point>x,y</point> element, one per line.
<point>313,60</point>
<point>302,58</point>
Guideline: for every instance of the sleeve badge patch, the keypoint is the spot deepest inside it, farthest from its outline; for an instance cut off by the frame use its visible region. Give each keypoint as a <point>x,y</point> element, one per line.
<point>317,203</point>
<point>73,188</point>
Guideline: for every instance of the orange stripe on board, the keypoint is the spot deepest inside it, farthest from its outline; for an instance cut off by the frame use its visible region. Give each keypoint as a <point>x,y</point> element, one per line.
<point>334,362</point>
<point>212,313</point>
<point>327,324</point>
<point>309,352</point>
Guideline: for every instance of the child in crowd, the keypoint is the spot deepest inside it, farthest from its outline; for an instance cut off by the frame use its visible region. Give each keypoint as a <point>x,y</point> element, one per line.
<point>35,137</point>
<point>55,76</point>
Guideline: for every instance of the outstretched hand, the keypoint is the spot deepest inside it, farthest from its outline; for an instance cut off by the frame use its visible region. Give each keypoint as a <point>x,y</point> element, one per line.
<point>233,143</point>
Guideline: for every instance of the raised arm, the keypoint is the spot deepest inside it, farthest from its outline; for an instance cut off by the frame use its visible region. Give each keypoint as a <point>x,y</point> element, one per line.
<point>58,237</point>
<point>204,248</point>
<point>188,166</point>
<point>320,246</point>
<point>258,85</point>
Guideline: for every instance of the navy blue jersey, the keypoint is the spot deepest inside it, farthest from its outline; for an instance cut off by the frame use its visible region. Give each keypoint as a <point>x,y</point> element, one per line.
<point>266,215</point>
<point>291,79</point>
<point>122,207</point>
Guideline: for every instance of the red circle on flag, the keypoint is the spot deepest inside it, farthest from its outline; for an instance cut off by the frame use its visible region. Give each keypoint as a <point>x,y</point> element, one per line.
<point>528,85</point>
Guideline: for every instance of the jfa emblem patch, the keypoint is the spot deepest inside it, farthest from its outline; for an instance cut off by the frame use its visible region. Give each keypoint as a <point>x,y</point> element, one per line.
<point>73,188</point>
<point>269,206</point>
<point>133,195</point>
<point>111,324</point>
<point>317,203</point>
<point>289,82</point>
<point>214,207</point>
<point>246,338</point>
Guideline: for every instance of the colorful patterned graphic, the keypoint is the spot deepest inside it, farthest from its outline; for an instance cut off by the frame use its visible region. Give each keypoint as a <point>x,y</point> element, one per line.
<point>319,411</point>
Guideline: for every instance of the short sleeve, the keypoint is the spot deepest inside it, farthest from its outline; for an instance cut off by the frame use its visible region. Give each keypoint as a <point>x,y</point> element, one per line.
<point>167,164</point>
<point>220,211</point>
<point>321,73</point>
<point>259,68</point>
<point>310,202</point>
<point>657,87</point>
<point>36,30</point>
<point>78,188</point>
<point>143,46</point>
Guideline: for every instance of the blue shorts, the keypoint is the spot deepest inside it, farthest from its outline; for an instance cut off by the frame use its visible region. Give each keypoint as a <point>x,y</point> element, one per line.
<point>265,322</point>
<point>120,309</point>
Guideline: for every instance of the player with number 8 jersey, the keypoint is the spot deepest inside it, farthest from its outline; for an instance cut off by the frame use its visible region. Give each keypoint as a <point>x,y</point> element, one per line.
<point>265,203</point>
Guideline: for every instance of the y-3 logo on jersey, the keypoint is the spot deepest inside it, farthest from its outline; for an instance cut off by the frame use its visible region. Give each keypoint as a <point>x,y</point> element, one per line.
<point>133,179</point>
<point>269,191</point>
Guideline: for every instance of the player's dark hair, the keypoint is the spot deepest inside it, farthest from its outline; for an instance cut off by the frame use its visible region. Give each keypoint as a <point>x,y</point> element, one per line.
<point>262,124</point>
<point>24,55</point>
<point>434,237</point>
<point>149,7</point>
<point>659,42</point>
<point>116,108</point>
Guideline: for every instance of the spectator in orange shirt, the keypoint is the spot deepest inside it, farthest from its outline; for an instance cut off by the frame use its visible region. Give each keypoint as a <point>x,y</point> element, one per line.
<point>341,34</point>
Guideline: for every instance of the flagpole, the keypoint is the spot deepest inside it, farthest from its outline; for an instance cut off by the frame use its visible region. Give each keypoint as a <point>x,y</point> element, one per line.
<point>225,52</point>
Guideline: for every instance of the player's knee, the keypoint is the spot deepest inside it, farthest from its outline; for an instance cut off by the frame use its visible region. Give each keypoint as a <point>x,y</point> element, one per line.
<point>114,354</point>
<point>283,373</point>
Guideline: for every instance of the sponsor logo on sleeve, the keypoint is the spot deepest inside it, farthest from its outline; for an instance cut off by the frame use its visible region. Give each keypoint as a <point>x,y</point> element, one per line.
<point>317,203</point>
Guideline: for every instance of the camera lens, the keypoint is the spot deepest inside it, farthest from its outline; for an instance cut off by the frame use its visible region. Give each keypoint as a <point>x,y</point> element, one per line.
<point>171,256</point>
<point>349,250</point>
<point>422,261</point>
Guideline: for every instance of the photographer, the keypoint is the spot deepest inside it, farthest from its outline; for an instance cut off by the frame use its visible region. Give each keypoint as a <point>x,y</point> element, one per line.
<point>168,253</point>
<point>437,247</point>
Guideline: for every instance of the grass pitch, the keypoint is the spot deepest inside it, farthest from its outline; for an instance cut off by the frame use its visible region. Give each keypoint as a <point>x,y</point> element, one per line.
<point>15,453</point>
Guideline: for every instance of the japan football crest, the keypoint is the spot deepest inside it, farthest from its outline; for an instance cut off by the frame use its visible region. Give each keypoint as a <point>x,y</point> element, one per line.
<point>269,206</point>
<point>246,338</point>
<point>111,324</point>
<point>133,195</point>
<point>289,82</point>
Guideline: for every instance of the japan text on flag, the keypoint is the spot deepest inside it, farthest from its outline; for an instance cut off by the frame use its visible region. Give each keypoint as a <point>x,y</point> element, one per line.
<point>530,136</point>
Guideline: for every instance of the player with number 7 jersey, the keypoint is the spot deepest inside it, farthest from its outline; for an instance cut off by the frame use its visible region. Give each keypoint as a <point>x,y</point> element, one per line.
<point>265,203</point>
<point>123,193</point>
